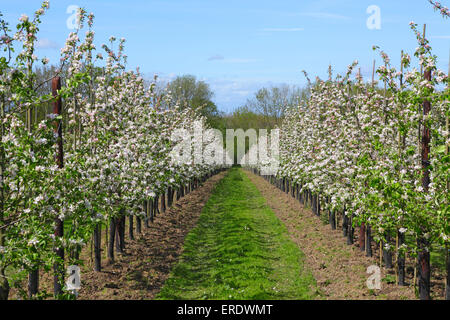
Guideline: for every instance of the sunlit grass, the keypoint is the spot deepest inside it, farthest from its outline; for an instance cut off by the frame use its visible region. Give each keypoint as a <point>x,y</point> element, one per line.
<point>239,250</point>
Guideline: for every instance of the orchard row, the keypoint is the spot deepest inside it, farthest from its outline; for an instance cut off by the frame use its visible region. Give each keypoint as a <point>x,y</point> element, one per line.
<point>101,155</point>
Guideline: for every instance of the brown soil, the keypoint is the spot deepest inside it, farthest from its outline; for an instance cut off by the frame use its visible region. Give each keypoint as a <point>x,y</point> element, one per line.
<point>340,269</point>
<point>141,271</point>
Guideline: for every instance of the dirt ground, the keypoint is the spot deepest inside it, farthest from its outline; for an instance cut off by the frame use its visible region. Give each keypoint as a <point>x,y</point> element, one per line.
<point>340,269</point>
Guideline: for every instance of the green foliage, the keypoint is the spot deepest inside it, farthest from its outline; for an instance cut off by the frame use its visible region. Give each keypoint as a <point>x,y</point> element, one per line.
<point>186,91</point>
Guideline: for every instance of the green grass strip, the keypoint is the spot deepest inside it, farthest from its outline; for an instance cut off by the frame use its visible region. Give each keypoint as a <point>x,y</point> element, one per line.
<point>239,250</point>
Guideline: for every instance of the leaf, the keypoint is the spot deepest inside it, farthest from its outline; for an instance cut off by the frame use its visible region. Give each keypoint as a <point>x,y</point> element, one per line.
<point>441,149</point>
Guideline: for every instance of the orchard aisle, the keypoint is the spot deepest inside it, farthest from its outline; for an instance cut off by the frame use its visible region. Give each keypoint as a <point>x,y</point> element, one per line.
<point>239,250</point>
<point>340,270</point>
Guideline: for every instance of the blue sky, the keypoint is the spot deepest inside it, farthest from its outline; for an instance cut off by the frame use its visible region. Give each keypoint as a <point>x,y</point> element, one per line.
<point>240,46</point>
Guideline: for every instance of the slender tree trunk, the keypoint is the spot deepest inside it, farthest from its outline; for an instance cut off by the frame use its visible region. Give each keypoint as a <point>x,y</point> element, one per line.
<point>344,224</point>
<point>447,283</point>
<point>351,231</point>
<point>120,234</point>
<point>123,221</point>
<point>423,244</point>
<point>33,282</point>
<point>117,242</point>
<point>163,202</point>
<point>112,234</point>
<point>300,196</point>
<point>58,266</point>
<point>97,248</point>
<point>4,285</point>
<point>387,254</point>
<point>150,209</point>
<point>130,227</point>
<point>318,204</point>
<point>362,237</point>
<point>368,242</point>
<point>401,261</point>
<point>155,206</point>
<point>423,268</point>
<point>170,196</point>
<point>147,213</point>
<point>332,219</point>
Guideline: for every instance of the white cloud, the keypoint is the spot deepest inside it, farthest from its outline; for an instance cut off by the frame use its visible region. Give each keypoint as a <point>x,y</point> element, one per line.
<point>216,57</point>
<point>283,29</point>
<point>323,15</point>
<point>232,60</point>
<point>440,37</point>
<point>240,60</point>
<point>45,43</point>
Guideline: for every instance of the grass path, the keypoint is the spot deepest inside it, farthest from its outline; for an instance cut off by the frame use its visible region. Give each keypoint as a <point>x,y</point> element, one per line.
<point>239,250</point>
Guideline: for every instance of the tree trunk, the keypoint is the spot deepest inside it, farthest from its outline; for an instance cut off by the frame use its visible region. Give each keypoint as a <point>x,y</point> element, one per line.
<point>447,284</point>
<point>368,242</point>
<point>170,194</point>
<point>120,234</point>
<point>138,225</point>
<point>344,224</point>
<point>117,242</point>
<point>123,221</point>
<point>58,266</point>
<point>332,219</point>
<point>401,261</point>
<point>97,248</point>
<point>351,231</point>
<point>130,227</point>
<point>163,202</point>
<point>155,206</point>
<point>387,254</point>
<point>112,234</point>
<point>147,213</point>
<point>150,209</point>
<point>33,282</point>
<point>362,237</point>
<point>423,268</point>
<point>4,286</point>
<point>318,205</point>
